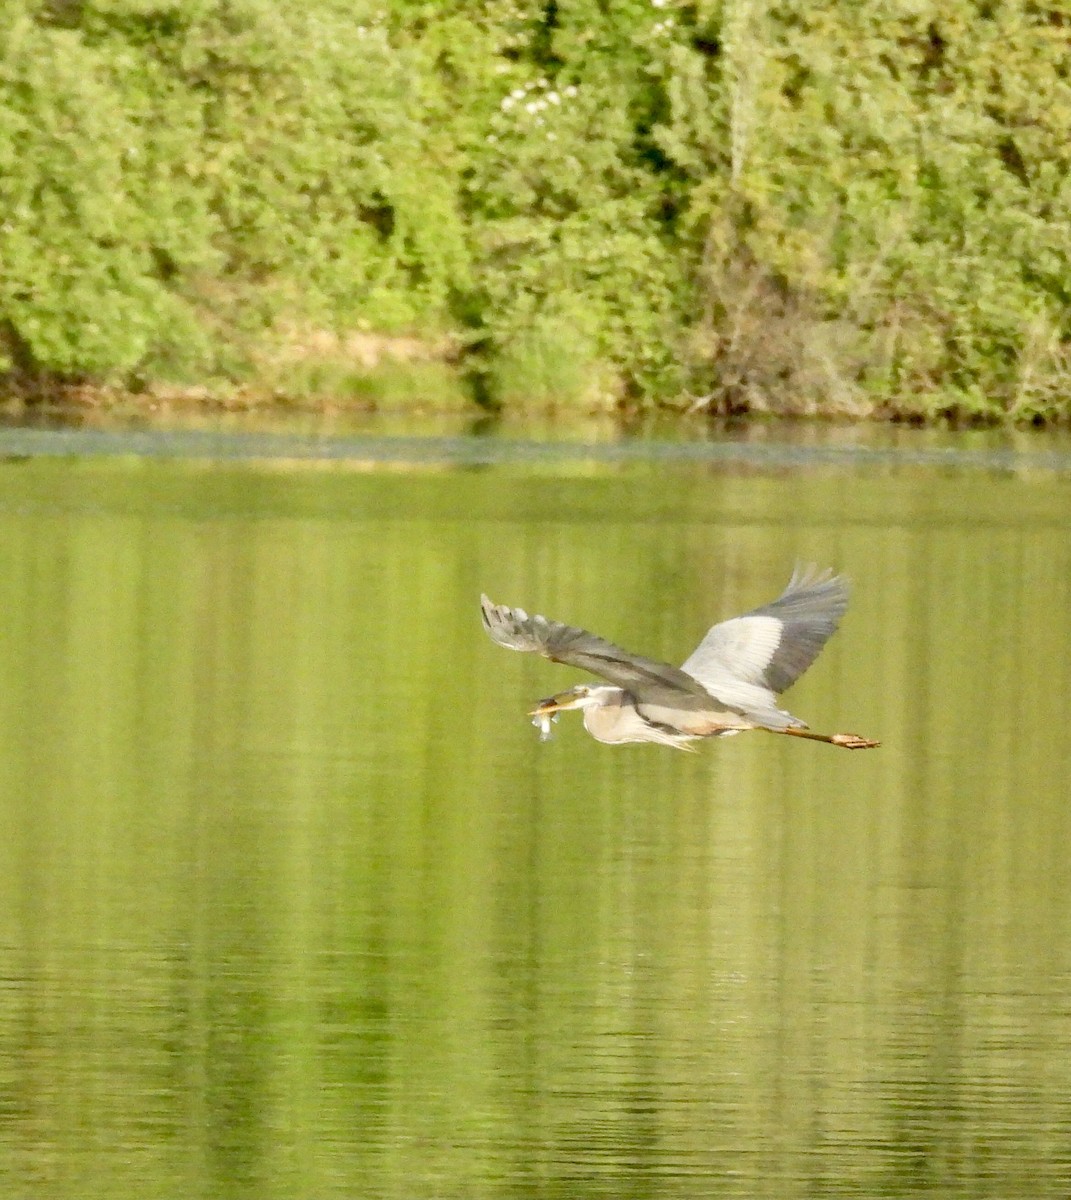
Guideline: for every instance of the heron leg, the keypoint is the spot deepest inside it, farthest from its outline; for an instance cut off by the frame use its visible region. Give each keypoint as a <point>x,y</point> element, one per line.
<point>850,741</point>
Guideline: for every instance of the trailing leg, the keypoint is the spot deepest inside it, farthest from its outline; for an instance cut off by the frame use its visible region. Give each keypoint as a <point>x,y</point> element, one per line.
<point>850,741</point>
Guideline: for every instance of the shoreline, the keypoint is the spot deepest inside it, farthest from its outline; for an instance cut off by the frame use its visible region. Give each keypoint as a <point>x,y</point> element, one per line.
<point>430,389</point>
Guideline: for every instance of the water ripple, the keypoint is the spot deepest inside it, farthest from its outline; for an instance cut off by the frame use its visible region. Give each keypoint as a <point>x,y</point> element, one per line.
<point>469,451</point>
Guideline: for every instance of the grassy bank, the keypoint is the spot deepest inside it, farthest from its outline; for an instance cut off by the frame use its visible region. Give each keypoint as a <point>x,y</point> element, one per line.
<point>738,206</point>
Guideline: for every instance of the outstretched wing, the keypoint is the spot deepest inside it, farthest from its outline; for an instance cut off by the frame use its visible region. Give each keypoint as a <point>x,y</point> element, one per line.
<point>770,647</point>
<point>647,680</point>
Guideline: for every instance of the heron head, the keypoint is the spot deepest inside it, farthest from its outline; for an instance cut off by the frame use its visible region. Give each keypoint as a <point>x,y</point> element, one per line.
<point>580,696</point>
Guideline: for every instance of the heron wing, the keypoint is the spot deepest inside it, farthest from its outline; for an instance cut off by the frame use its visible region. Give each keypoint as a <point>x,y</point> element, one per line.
<point>646,679</point>
<point>770,647</point>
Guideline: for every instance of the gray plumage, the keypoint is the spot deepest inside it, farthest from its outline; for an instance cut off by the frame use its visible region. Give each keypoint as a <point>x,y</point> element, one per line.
<point>729,683</point>
<point>750,660</point>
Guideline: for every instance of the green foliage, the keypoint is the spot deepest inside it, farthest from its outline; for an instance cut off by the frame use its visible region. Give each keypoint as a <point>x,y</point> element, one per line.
<point>904,175</point>
<point>92,225</point>
<point>793,208</point>
<point>331,380</point>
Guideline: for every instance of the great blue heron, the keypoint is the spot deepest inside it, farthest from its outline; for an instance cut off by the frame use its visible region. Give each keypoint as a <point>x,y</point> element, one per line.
<point>730,682</point>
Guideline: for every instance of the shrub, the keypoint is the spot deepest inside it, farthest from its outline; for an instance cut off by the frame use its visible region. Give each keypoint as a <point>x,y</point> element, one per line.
<point>769,206</point>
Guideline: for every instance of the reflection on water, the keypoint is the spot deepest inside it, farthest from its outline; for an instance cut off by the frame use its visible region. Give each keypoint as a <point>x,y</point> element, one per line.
<point>294,902</point>
<point>462,442</point>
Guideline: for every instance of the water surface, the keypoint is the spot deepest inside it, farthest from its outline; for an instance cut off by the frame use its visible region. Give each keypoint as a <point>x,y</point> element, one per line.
<point>294,903</point>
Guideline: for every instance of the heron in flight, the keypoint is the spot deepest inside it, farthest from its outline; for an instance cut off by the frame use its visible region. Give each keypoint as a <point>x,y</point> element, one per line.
<point>729,683</point>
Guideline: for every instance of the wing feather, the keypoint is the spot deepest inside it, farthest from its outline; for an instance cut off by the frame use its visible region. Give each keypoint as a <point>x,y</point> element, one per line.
<point>646,679</point>
<point>771,646</point>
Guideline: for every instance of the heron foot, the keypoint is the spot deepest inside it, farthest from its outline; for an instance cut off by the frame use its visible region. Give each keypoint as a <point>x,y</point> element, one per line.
<point>852,741</point>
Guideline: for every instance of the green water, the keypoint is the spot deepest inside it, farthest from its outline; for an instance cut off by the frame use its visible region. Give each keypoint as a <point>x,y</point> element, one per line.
<point>293,902</point>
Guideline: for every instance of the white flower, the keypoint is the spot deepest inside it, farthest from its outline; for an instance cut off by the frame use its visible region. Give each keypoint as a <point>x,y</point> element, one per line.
<point>507,103</point>
<point>531,107</point>
<point>517,93</point>
<point>570,91</point>
<point>553,98</point>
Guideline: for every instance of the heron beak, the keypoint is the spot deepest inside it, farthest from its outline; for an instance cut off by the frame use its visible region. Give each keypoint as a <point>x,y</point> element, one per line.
<point>559,703</point>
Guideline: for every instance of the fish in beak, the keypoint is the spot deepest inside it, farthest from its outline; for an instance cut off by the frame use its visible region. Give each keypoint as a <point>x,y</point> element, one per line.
<point>546,711</point>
